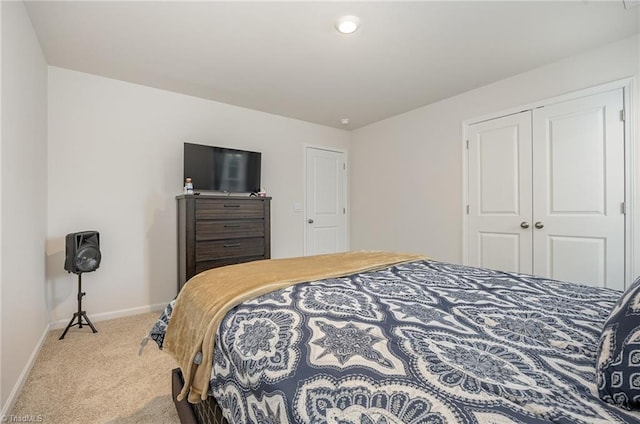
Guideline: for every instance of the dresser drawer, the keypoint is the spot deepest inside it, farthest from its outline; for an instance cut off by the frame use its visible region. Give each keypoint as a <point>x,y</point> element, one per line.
<point>229,209</point>
<point>203,266</point>
<point>229,248</point>
<point>217,230</point>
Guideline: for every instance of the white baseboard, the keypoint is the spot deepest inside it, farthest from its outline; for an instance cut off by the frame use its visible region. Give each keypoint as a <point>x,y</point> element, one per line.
<point>112,315</point>
<point>13,396</point>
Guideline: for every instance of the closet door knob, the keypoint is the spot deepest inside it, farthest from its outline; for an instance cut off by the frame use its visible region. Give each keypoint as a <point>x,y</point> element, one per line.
<point>539,225</point>
<point>310,221</point>
<point>524,224</point>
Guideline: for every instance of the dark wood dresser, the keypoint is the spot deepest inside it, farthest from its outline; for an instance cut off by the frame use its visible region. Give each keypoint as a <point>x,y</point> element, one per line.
<point>214,231</point>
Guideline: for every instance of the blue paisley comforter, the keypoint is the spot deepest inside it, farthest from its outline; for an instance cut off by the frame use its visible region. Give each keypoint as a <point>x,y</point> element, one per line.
<point>423,342</point>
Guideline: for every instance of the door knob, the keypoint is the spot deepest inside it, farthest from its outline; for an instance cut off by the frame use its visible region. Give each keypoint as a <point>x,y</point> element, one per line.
<point>538,225</point>
<point>310,221</point>
<point>524,224</point>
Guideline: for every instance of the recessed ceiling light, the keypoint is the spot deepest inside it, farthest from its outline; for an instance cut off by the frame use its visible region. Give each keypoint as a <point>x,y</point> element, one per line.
<point>344,121</point>
<point>347,24</point>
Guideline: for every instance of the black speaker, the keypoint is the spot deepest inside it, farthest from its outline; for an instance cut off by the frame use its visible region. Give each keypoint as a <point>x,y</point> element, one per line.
<point>82,252</point>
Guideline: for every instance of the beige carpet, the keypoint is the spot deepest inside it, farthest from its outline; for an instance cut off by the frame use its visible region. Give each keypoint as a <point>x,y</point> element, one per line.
<point>99,378</point>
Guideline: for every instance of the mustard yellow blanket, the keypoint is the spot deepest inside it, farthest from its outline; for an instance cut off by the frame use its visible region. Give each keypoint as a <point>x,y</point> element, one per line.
<point>208,296</point>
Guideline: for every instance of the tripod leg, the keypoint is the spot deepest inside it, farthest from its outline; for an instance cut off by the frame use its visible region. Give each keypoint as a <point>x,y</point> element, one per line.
<point>84,314</point>
<point>69,326</point>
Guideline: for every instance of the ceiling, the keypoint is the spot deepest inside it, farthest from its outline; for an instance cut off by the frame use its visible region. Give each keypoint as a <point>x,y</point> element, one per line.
<point>286,58</point>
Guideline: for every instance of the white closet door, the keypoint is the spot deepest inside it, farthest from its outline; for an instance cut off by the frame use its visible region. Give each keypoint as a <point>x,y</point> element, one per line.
<point>500,193</point>
<point>578,190</point>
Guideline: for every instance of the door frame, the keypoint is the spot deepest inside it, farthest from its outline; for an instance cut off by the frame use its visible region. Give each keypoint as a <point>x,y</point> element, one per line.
<point>345,154</point>
<point>631,240</point>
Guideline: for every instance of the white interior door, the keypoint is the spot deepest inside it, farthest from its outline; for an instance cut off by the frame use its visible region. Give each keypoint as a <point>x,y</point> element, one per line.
<point>325,202</point>
<point>500,193</point>
<point>578,156</point>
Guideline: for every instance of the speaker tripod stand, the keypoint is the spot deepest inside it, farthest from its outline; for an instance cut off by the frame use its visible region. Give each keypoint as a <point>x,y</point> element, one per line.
<point>80,314</point>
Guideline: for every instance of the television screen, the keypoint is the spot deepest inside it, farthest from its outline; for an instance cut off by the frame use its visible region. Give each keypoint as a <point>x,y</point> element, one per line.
<point>220,169</point>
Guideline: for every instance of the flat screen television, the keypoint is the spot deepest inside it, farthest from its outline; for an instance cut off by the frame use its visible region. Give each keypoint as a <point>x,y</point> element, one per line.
<point>220,169</point>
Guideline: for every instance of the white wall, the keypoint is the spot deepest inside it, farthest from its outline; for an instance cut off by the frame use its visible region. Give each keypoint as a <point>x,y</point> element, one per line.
<point>23,166</point>
<point>115,166</point>
<point>406,171</point>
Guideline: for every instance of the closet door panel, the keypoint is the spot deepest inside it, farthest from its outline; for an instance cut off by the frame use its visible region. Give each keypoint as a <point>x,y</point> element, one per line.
<point>578,189</point>
<point>575,149</point>
<point>590,254</point>
<point>500,193</point>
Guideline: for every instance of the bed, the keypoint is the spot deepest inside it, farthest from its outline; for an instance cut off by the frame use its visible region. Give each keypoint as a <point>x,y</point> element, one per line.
<point>410,340</point>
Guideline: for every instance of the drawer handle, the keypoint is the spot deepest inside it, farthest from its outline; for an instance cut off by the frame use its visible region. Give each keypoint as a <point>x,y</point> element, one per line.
<point>231,206</point>
<point>231,225</point>
<point>232,245</point>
